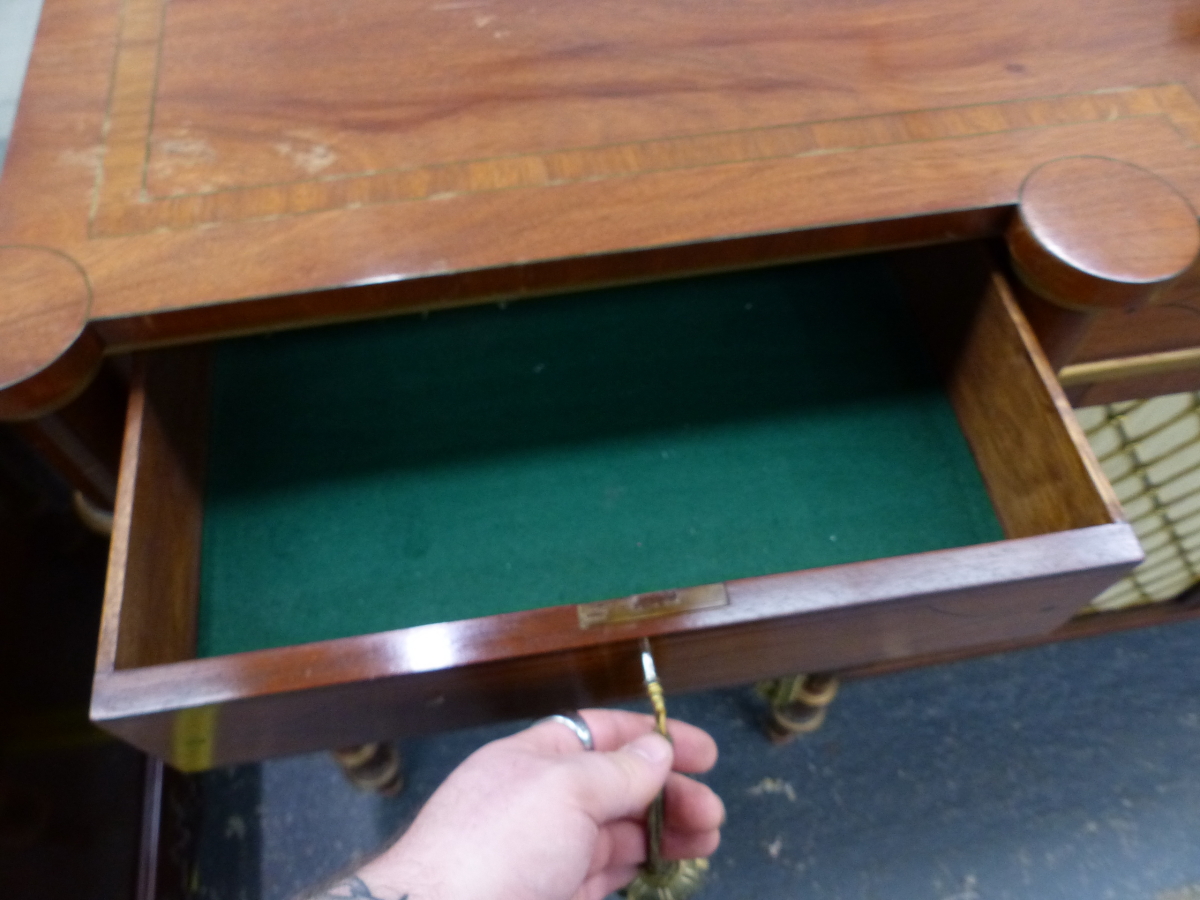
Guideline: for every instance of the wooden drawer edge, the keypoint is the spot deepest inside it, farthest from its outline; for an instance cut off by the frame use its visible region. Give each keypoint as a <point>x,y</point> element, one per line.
<point>429,648</point>
<point>524,664</point>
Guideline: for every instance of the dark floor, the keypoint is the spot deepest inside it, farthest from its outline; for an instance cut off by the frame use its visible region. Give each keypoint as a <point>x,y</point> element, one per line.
<point>1067,771</point>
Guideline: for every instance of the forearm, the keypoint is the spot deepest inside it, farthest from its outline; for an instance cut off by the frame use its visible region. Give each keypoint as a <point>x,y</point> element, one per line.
<point>389,875</point>
<point>537,817</point>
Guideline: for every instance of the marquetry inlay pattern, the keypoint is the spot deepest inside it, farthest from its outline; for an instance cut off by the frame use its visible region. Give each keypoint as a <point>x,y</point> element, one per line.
<point>130,201</point>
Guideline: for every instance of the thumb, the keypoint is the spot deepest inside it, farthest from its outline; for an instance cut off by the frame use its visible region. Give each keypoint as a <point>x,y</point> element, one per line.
<point>621,783</point>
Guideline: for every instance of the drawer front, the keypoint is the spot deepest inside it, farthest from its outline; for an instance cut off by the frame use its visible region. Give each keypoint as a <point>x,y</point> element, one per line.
<point>1064,543</point>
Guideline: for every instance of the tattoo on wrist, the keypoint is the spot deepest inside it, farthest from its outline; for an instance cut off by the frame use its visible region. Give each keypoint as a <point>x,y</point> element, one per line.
<point>352,888</point>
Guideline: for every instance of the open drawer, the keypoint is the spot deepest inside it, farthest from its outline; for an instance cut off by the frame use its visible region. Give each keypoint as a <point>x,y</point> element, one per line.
<point>361,531</point>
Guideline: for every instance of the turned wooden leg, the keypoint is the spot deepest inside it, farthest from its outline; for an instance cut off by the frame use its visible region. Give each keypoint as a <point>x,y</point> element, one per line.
<point>797,704</point>
<point>373,767</point>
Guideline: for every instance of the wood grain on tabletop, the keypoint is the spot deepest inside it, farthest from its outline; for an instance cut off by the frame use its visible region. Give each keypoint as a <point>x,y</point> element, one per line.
<point>198,155</point>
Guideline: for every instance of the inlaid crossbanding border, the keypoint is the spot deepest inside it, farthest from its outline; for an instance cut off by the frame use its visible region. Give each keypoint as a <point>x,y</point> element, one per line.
<point>125,204</point>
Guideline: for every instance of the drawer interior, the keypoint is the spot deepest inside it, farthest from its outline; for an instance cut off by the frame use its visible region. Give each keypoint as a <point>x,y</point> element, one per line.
<point>485,460</point>
<point>491,463</point>
<point>519,478</point>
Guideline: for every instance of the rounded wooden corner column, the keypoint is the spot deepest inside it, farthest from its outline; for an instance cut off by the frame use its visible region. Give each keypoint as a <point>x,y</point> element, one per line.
<point>1092,234</point>
<point>49,353</point>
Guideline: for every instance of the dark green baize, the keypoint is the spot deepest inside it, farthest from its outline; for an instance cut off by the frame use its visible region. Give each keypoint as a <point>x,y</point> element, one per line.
<point>429,468</point>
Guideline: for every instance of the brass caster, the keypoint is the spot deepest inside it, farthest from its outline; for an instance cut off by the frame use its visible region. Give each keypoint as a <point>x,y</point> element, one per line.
<point>797,704</point>
<point>783,728</point>
<point>372,767</point>
<point>677,880</point>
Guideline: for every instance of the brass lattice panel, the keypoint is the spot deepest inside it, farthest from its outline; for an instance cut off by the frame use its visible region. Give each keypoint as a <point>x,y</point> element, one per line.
<point>1150,450</point>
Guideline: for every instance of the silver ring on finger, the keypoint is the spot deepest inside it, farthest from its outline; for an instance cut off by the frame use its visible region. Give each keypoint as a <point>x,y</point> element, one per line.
<point>576,723</point>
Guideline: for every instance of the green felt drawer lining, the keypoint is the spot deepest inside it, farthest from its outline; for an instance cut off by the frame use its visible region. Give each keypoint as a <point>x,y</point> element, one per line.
<point>483,460</point>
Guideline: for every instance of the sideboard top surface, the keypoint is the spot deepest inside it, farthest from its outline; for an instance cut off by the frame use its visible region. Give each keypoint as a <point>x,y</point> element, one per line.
<point>217,167</point>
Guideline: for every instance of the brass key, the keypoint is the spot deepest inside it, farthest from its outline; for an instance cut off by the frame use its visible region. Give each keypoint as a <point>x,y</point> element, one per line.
<point>662,879</point>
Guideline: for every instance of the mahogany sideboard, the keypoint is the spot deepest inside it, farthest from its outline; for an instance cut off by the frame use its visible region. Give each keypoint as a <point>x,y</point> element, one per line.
<point>183,173</point>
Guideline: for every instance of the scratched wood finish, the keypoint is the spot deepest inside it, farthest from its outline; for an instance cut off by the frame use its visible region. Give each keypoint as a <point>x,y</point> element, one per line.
<point>1067,544</point>
<point>221,167</point>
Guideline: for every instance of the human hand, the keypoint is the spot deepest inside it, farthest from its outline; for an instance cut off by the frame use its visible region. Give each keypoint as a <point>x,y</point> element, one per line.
<point>535,817</point>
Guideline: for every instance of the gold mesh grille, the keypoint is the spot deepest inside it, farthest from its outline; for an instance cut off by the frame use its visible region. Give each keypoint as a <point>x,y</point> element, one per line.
<point>1150,450</point>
